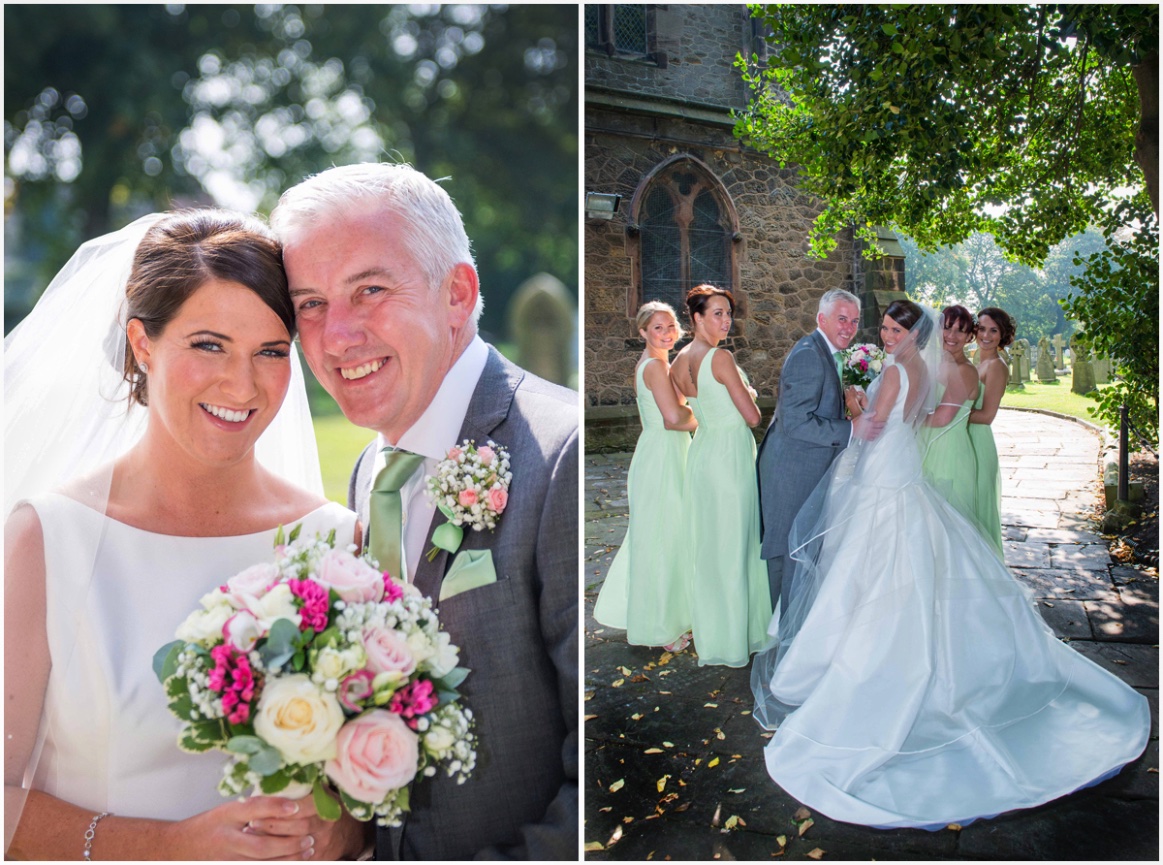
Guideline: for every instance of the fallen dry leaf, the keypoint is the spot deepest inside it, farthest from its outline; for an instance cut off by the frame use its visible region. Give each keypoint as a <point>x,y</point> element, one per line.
<point>710,705</point>
<point>805,826</point>
<point>802,814</point>
<point>668,744</point>
<point>720,735</point>
<point>713,763</point>
<point>731,823</point>
<point>617,683</point>
<point>607,809</point>
<point>715,819</point>
<point>1156,771</point>
<point>652,751</point>
<point>956,827</point>
<point>594,846</point>
<point>615,838</point>
<point>590,717</point>
<point>617,785</point>
<point>627,820</point>
<point>781,840</point>
<point>639,678</point>
<point>664,658</point>
<point>661,783</point>
<point>668,798</point>
<point>817,853</point>
<point>624,671</point>
<point>680,808</point>
<point>637,716</point>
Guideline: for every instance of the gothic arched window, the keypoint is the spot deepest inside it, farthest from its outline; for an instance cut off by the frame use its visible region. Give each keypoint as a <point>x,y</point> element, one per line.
<point>686,228</point>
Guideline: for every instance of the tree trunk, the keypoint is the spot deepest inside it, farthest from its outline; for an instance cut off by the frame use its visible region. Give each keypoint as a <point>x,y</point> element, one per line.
<point>1147,137</point>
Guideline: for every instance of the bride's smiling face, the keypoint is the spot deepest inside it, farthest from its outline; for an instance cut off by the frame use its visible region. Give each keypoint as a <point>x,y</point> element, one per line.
<point>218,372</point>
<point>893,334</point>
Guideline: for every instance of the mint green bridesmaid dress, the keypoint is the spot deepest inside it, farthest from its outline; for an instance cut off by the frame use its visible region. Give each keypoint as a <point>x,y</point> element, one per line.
<point>646,592</point>
<point>730,601</point>
<point>988,499</point>
<point>950,465</point>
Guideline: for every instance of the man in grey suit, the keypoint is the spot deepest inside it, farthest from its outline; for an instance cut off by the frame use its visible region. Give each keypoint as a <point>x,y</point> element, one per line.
<point>807,431</point>
<point>386,300</point>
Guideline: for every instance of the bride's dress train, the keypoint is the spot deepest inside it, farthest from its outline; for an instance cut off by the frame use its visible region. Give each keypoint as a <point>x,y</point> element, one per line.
<point>913,683</point>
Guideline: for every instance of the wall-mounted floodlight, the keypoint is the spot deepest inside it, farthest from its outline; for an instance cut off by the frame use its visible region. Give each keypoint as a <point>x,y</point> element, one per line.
<point>601,206</point>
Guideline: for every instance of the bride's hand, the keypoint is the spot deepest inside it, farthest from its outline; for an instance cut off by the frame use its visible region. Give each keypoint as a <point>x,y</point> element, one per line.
<point>226,832</point>
<point>344,838</point>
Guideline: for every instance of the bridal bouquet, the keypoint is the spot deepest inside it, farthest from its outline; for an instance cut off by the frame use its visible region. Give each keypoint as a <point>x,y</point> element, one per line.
<point>318,670</point>
<point>861,363</point>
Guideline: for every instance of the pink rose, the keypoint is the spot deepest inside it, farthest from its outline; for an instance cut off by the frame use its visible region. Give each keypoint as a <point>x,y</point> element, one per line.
<point>353,579</point>
<point>498,498</point>
<point>377,755</point>
<point>487,455</point>
<point>387,651</point>
<point>252,583</point>
<point>356,687</point>
<point>454,453</point>
<point>467,498</point>
<point>242,631</point>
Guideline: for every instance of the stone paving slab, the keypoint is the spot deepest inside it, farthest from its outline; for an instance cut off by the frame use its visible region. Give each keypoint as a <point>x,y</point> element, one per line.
<point>688,716</point>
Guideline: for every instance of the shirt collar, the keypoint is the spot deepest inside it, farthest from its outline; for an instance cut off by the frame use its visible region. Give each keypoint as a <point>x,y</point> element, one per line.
<point>435,431</point>
<point>831,348</point>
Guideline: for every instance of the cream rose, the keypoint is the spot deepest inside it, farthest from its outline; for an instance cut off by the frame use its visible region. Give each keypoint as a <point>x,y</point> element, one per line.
<point>353,579</point>
<point>439,739</point>
<point>376,755</point>
<point>299,719</point>
<point>445,656</point>
<point>242,631</point>
<point>388,651</point>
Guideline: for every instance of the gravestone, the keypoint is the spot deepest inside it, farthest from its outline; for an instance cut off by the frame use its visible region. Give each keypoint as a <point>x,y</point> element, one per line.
<point>1059,357</point>
<point>1102,369</point>
<point>1021,358</point>
<point>1083,380</point>
<point>541,325</point>
<point>1045,368</point>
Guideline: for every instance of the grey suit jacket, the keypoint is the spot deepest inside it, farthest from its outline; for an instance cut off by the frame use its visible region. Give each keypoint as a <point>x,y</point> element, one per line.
<point>519,636</point>
<point>806,433</point>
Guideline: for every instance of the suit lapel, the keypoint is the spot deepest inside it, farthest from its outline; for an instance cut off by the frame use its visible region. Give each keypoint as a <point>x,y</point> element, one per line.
<point>822,348</point>
<point>488,407</point>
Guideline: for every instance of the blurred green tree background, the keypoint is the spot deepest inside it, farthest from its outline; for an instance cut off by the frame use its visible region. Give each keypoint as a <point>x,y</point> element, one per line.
<point>113,111</point>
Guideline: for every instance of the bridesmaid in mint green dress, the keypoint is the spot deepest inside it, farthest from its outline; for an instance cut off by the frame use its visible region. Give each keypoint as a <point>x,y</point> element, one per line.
<point>646,592</point>
<point>995,330</point>
<point>949,461</point>
<point>730,601</point>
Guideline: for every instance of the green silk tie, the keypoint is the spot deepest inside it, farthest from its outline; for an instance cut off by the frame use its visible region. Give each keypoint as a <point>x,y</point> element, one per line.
<point>839,356</point>
<point>385,531</point>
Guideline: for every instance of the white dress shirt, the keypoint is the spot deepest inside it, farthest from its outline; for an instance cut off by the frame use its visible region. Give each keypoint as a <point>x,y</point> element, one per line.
<point>434,432</point>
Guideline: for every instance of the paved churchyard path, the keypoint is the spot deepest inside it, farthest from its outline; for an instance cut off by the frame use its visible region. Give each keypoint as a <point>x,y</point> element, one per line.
<point>672,756</point>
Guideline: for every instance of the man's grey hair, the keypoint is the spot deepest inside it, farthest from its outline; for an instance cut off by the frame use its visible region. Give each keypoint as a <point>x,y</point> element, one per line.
<point>833,296</point>
<point>435,233</point>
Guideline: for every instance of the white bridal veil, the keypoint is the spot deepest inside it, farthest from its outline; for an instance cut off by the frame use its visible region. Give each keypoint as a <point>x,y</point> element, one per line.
<point>67,416</point>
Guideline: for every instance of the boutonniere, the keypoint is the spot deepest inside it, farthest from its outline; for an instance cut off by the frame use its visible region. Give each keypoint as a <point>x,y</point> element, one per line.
<point>470,487</point>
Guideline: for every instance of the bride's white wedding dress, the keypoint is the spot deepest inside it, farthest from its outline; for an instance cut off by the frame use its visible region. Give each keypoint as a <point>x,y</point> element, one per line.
<point>111,743</point>
<point>914,684</point>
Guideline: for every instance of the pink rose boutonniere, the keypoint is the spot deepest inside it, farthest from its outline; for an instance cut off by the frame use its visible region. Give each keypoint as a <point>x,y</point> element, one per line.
<point>470,487</point>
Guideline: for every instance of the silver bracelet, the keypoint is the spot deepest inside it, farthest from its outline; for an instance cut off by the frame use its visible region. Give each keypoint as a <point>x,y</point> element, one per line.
<point>90,834</point>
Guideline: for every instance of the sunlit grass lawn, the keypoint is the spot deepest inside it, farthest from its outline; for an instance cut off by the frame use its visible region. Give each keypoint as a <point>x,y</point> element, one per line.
<point>1053,397</point>
<point>340,443</point>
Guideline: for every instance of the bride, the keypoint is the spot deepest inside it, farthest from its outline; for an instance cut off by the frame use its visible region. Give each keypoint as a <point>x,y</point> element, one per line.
<point>912,683</point>
<point>148,456</point>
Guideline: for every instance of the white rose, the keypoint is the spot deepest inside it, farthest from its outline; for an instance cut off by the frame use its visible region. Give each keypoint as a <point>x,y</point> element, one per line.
<point>445,656</point>
<point>205,626</point>
<point>420,647</point>
<point>242,631</point>
<point>299,719</point>
<point>332,663</point>
<point>278,603</point>
<point>439,739</point>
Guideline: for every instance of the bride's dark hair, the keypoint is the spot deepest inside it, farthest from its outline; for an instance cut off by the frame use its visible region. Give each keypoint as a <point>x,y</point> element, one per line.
<point>909,315</point>
<point>187,249</point>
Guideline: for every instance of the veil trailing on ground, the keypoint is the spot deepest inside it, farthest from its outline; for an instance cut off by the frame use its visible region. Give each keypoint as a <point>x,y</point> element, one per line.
<point>847,495</point>
<point>67,417</point>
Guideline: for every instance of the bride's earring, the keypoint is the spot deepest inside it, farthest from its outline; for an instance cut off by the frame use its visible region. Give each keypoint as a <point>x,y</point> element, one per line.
<point>144,367</point>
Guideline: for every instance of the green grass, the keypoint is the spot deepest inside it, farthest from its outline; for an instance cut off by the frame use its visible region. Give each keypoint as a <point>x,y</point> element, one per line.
<point>340,443</point>
<point>1053,397</point>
